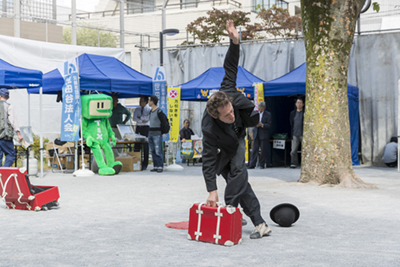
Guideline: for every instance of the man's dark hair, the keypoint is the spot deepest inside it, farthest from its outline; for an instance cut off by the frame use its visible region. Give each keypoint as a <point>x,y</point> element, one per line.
<point>154,99</point>
<point>299,98</point>
<point>145,99</point>
<point>393,139</point>
<point>217,100</point>
<point>185,120</point>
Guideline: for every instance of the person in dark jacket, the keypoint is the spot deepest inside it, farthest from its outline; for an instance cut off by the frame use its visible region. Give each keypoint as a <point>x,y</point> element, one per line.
<point>296,122</point>
<point>260,137</point>
<point>228,113</point>
<point>186,132</point>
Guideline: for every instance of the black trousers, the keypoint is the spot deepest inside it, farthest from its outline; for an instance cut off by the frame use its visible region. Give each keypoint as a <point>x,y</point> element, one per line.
<point>238,190</point>
<point>143,130</point>
<point>254,152</point>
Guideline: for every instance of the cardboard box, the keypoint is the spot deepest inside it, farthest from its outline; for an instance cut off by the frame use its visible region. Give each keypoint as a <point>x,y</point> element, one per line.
<point>67,163</point>
<point>61,150</point>
<point>130,163</point>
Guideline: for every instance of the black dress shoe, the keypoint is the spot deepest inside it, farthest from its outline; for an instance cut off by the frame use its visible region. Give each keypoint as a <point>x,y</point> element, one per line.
<point>262,167</point>
<point>250,167</point>
<point>154,170</point>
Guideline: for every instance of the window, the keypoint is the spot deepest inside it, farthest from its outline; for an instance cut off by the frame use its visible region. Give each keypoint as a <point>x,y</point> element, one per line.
<point>189,3</point>
<point>140,6</point>
<point>269,3</point>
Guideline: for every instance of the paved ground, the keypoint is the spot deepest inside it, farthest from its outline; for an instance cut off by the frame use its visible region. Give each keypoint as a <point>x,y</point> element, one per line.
<point>120,221</point>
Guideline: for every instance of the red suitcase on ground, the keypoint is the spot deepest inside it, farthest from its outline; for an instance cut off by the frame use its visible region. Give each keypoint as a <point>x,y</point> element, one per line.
<point>18,193</point>
<point>219,225</point>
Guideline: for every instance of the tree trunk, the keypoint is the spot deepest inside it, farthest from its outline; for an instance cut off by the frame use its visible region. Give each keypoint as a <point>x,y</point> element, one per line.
<point>329,27</point>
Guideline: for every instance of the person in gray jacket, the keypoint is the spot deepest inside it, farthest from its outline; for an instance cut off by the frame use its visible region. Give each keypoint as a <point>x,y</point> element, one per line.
<point>390,153</point>
<point>8,125</point>
<point>228,113</point>
<point>296,122</point>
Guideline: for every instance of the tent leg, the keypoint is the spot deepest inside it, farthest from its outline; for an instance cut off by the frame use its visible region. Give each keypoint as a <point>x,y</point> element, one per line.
<point>41,135</point>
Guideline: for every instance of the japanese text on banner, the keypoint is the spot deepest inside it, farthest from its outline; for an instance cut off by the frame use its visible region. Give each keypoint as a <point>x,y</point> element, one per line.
<point>71,107</point>
<point>174,107</point>
<point>258,94</point>
<point>160,90</point>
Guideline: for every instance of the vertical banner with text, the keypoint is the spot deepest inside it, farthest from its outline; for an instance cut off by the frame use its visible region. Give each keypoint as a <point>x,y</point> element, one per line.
<point>160,90</point>
<point>258,94</point>
<point>174,107</point>
<point>71,104</point>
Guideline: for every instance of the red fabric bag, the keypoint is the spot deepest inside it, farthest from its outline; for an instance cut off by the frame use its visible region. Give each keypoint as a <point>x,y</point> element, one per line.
<point>219,225</point>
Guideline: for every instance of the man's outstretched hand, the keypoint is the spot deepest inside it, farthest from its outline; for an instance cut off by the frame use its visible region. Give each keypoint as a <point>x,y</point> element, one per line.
<point>232,32</point>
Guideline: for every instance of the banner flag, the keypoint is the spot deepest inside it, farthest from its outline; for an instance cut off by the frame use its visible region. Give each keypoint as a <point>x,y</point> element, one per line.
<point>258,94</point>
<point>71,104</point>
<point>160,90</point>
<point>174,107</point>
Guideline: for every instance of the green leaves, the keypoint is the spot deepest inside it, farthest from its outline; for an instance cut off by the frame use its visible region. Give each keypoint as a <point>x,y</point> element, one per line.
<point>211,28</point>
<point>91,37</point>
<point>275,21</point>
<point>375,6</point>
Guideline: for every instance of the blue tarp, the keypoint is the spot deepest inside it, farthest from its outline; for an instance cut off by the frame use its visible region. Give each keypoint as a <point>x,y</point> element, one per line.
<point>16,77</point>
<point>199,88</point>
<point>101,73</point>
<point>294,83</point>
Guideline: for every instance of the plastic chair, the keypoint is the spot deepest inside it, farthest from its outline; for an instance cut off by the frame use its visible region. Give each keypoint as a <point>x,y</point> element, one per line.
<point>58,156</point>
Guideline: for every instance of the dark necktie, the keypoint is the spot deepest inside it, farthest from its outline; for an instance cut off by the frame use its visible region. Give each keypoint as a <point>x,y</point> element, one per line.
<point>235,128</point>
<point>141,114</point>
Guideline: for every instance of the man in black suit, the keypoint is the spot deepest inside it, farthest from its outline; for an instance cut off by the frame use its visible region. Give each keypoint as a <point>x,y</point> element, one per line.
<point>224,123</point>
<point>260,138</point>
<point>186,132</point>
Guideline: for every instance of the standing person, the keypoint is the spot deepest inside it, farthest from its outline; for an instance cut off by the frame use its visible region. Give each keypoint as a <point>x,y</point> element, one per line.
<point>225,119</point>
<point>390,153</point>
<point>155,136</point>
<point>118,113</point>
<point>8,124</point>
<point>186,132</point>
<point>142,118</point>
<point>260,137</point>
<point>296,122</point>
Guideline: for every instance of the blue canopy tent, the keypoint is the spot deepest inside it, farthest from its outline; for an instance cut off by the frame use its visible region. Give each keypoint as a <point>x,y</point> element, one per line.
<point>101,73</point>
<point>199,88</point>
<point>13,77</point>
<point>16,77</point>
<point>293,84</point>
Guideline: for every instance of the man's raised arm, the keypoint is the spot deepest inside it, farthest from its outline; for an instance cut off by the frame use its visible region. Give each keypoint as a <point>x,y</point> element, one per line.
<point>231,59</point>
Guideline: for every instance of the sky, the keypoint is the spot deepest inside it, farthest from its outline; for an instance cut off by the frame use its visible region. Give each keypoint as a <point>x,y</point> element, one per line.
<point>86,5</point>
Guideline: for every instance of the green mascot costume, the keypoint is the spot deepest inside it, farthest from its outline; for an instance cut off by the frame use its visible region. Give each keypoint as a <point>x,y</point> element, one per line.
<point>96,109</point>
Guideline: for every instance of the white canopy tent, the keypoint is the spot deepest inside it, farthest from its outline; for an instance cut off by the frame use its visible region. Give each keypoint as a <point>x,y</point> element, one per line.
<point>44,57</point>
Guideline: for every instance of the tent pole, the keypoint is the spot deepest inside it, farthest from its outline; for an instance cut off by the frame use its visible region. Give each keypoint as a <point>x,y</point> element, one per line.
<point>41,135</point>
<point>29,109</point>
<point>398,124</point>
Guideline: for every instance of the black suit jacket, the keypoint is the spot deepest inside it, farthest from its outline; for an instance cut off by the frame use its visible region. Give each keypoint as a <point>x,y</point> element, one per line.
<point>220,142</point>
<point>262,132</point>
<point>186,133</point>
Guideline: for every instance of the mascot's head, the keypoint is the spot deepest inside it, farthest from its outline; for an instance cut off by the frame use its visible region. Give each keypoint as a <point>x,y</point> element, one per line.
<point>96,106</point>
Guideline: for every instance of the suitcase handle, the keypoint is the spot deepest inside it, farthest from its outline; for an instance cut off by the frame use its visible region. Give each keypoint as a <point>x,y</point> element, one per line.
<point>219,204</point>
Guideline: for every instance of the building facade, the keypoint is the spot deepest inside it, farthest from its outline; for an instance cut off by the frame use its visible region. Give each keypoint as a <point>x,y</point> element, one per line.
<point>37,20</point>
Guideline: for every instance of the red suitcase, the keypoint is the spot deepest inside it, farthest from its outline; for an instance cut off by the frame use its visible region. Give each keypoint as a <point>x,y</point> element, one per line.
<point>220,225</point>
<point>18,193</point>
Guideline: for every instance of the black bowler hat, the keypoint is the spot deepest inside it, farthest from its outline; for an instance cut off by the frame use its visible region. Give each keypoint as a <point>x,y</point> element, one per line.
<point>285,214</point>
